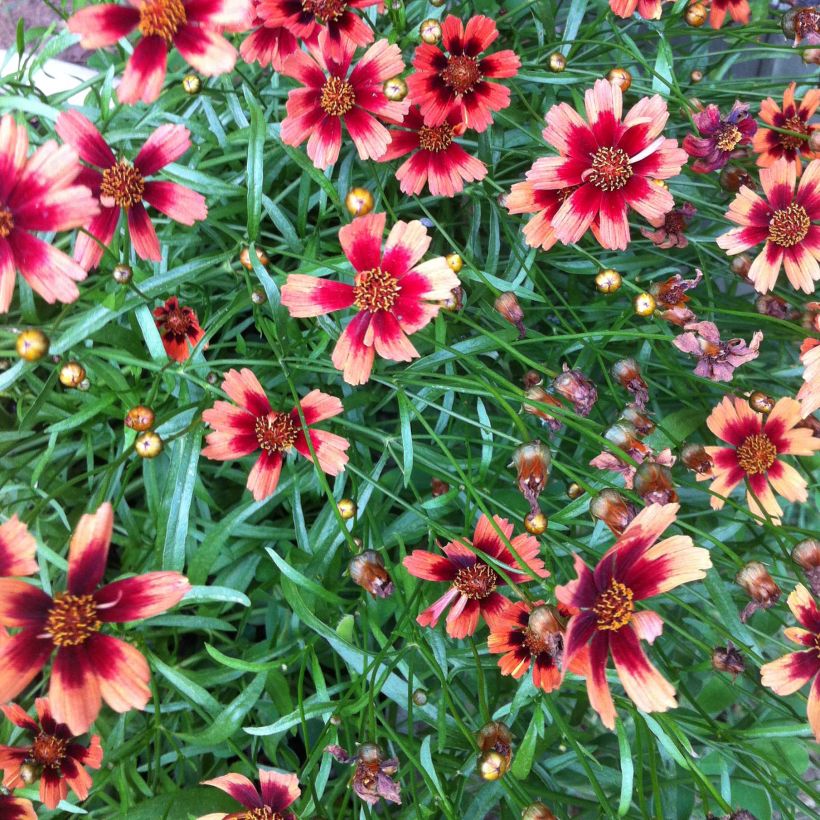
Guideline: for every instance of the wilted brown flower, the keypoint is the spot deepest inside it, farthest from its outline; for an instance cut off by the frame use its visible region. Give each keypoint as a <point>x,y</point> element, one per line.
<point>695,457</point>
<point>671,298</point>
<point>770,305</point>
<point>368,571</point>
<point>733,178</point>
<point>538,394</point>
<point>717,360</point>
<point>613,509</point>
<point>653,483</point>
<point>728,659</point>
<point>373,777</point>
<point>628,374</point>
<point>760,586</point>
<point>669,229</point>
<point>532,462</point>
<point>537,811</point>
<point>532,379</point>
<point>495,738</point>
<point>576,388</point>
<point>507,305</point>
<point>807,555</point>
<point>640,421</point>
<point>438,487</point>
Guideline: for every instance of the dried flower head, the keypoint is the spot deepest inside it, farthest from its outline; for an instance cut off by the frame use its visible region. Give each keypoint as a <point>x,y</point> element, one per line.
<point>728,659</point>
<point>438,487</point>
<point>759,586</point>
<point>495,738</point>
<point>671,298</point>
<point>537,393</point>
<point>576,388</point>
<point>807,555</point>
<point>695,457</point>
<point>532,462</point>
<point>669,229</point>
<point>641,422</point>
<point>628,374</point>
<point>775,306</point>
<point>537,811</point>
<point>373,776</point>
<point>717,360</point>
<point>507,305</point>
<point>613,509</point>
<point>368,571</point>
<point>653,483</point>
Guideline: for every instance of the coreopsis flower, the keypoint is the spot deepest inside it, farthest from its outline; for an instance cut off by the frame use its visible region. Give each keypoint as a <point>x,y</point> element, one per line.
<point>577,389</point>
<point>794,116</point>
<point>718,136</point>
<point>179,328</point>
<point>717,360</point>
<point>668,230</point>
<point>395,295</point>
<point>373,776</point>
<point>634,569</point>
<point>807,555</point>
<point>121,185</point>
<point>759,586</point>
<point>307,19</point>
<point>648,9</point>
<point>527,198</point>
<point>368,571</point>
<point>757,443</point>
<point>276,794</point>
<point>18,549</point>
<point>268,45</point>
<point>39,193</point>
<point>251,425</point>
<point>611,162</point>
<point>784,223</point>
<point>437,160</point>
<point>809,393</point>
<point>788,674</point>
<point>89,666</point>
<point>738,10</point>
<point>56,756</point>
<point>613,509</point>
<point>16,808</point>
<point>194,28</point>
<point>531,635</point>
<point>458,77</point>
<point>332,96</point>
<point>671,298</point>
<point>473,582</point>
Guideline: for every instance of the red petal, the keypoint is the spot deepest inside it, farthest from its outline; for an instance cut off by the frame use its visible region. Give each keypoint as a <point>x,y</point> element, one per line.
<point>239,787</point>
<point>176,201</point>
<point>79,132</point>
<point>22,604</point>
<point>122,672</point>
<point>101,26</point>
<point>144,596</point>
<point>88,552</point>
<point>264,477</point>
<point>21,658</point>
<point>143,236</point>
<point>361,241</point>
<point>144,72</point>
<point>278,790</point>
<point>74,693</point>
<point>18,549</point>
<point>429,566</point>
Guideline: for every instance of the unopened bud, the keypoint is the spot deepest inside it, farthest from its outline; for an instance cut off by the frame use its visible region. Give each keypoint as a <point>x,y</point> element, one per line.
<point>807,555</point>
<point>507,305</point>
<point>148,445</point>
<point>576,388</point>
<point>761,403</point>
<point>419,697</point>
<point>760,587</point>
<point>535,522</point>
<point>695,457</point>
<point>629,376</point>
<point>347,508</point>
<point>574,491</point>
<point>367,570</point>
<point>32,344</point>
<point>71,374</point>
<point>245,258</point>
<point>492,766</point>
<point>741,264</point>
<point>532,462</point>
<point>728,659</point>
<point>140,418</point>
<point>455,301</point>
<point>613,509</point>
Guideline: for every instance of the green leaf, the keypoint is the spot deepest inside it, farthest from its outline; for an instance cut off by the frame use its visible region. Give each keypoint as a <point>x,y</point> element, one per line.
<point>522,762</point>
<point>255,172</point>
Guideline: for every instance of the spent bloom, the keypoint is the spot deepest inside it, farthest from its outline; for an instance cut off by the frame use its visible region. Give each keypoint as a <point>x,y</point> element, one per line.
<point>89,666</point>
<point>334,94</point>
<point>756,445</point>
<point>56,756</point>
<point>633,570</point>
<point>251,425</point>
<point>794,116</point>
<point>613,509</point>
<point>179,328</point>
<point>394,295</point>
<point>807,555</point>
<point>271,801</point>
<point>785,223</point>
<point>628,375</point>
<point>368,571</point>
<point>373,776</point>
<point>611,162</point>
<point>18,549</point>
<point>672,299</point>
<point>577,389</point>
<point>668,230</point>
<point>38,193</point>
<point>461,78</point>
<point>788,674</point>
<point>532,463</point>
<point>193,27</point>
<point>718,136</point>
<point>759,585</point>
<point>473,582</point>
<point>122,186</point>
<point>717,360</point>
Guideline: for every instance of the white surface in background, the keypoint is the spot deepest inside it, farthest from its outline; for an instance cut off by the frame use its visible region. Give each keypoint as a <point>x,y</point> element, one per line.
<point>53,77</point>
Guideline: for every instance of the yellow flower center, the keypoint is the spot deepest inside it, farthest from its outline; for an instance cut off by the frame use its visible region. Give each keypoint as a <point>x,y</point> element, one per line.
<point>338,97</point>
<point>610,169</point>
<point>729,137</point>
<point>276,432</point>
<point>462,73</point>
<point>162,18</point>
<point>72,619</point>
<point>123,184</point>
<point>613,607</point>
<point>326,10</point>
<point>6,222</point>
<point>375,290</point>
<point>476,582</point>
<point>789,226</point>
<point>48,750</point>
<point>756,454</point>
<point>436,138</point>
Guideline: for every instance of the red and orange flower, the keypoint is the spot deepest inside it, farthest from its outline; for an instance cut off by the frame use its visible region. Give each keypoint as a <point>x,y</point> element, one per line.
<point>634,569</point>
<point>179,328</point>
<point>648,9</point>
<point>788,674</point>
<point>460,79</point>
<point>332,96</point>
<point>268,45</point>
<point>194,27</point>
<point>794,116</point>
<point>473,581</point>
<point>738,10</point>
<point>278,792</point>
<point>18,549</point>
<point>785,223</point>
<point>89,666</point>
<point>122,186</point>
<point>56,755</point>
<point>38,193</point>
<point>254,426</point>
<point>393,293</point>
<point>610,164</point>
<point>754,455</point>
<point>437,160</point>
<point>16,808</point>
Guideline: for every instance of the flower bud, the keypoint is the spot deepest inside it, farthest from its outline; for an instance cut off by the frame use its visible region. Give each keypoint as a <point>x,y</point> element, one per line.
<point>438,487</point>
<point>545,623</point>
<point>576,388</point>
<point>347,508</point>
<point>532,379</point>
<point>532,462</point>
<point>140,418</point>
<point>71,374</point>
<point>608,281</point>
<point>454,262</point>
<point>641,422</point>
<point>430,31</point>
<point>191,84</point>
<point>557,62</point>
<point>245,258</point>
<point>419,697</point>
<point>644,304</point>
<point>538,394</point>
<point>492,766</point>
<point>359,201</point>
<point>32,344</point>
<point>258,296</point>
<point>807,555</point>
<point>148,445</point>
<point>628,375</point>
<point>574,491</point>
<point>760,587</point>
<point>495,742</point>
<point>761,403</point>
<point>537,811</point>
<point>728,659</point>
<point>367,570</point>
<point>395,89</point>
<point>122,274</point>
<point>535,522</point>
<point>613,509</point>
<point>30,772</point>
<point>620,77</point>
<point>696,15</point>
<point>653,483</point>
<point>695,457</point>
<point>507,305</point>
<point>370,754</point>
<point>696,75</point>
